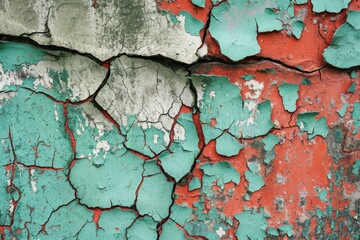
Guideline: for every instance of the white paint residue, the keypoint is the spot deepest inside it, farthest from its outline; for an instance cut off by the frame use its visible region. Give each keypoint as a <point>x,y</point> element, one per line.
<point>179,132</point>
<point>255,89</point>
<point>6,95</point>
<point>8,78</point>
<point>87,121</point>
<point>156,136</point>
<point>202,51</point>
<point>8,176</point>
<point>11,207</point>
<point>220,232</point>
<point>166,137</point>
<point>33,181</point>
<point>101,145</point>
<point>101,129</point>
<point>78,132</point>
<point>41,74</point>
<point>276,122</point>
<point>251,105</point>
<point>212,94</point>
<point>56,116</point>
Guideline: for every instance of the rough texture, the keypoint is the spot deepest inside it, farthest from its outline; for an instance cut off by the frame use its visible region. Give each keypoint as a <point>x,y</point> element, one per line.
<point>102,29</point>
<point>112,131</point>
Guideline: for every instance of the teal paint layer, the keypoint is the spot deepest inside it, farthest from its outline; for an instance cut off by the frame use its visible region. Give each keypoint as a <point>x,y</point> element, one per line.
<point>252,225</point>
<point>308,123</point>
<point>114,183</point>
<point>343,51</point>
<point>37,129</point>
<point>227,145</point>
<point>329,5</point>
<point>177,161</point>
<point>155,197</point>
<point>289,95</point>
<point>222,101</point>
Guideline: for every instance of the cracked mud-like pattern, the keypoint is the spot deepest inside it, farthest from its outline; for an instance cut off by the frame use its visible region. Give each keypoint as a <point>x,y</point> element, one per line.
<point>197,119</point>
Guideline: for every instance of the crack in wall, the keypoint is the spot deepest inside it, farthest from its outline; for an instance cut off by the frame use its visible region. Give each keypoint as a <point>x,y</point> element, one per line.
<point>196,111</point>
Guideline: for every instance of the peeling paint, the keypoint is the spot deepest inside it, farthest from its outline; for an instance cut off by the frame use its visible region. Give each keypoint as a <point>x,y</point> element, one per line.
<point>313,127</point>
<point>289,94</point>
<point>343,50</point>
<point>179,120</point>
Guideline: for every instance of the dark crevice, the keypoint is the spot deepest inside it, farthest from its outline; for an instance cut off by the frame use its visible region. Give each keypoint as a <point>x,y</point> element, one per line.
<point>93,96</point>
<point>26,40</point>
<point>168,62</point>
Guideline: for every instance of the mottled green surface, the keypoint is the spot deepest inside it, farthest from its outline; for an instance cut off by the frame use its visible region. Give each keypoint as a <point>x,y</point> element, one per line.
<point>14,55</point>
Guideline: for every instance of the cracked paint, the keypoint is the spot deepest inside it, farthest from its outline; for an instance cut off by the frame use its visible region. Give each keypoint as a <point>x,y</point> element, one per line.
<point>97,33</point>
<point>179,119</point>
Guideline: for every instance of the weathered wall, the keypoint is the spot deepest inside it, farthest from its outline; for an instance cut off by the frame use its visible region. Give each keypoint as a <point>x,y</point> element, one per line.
<point>192,119</point>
